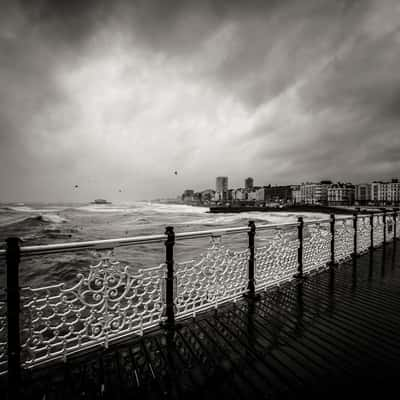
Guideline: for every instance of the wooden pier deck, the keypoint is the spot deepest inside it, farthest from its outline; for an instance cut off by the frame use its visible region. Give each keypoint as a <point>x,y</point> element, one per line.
<point>332,335</point>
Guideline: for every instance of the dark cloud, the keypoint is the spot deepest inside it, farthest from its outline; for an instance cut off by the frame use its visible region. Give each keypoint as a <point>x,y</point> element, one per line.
<point>363,76</point>
<point>65,21</point>
<point>289,90</point>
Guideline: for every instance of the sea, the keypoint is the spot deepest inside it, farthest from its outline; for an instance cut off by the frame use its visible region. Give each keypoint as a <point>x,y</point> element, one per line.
<point>37,224</point>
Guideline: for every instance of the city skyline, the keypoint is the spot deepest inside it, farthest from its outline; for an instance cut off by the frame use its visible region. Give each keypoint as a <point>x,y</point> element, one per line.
<point>132,100</point>
<point>255,185</point>
<point>323,193</point>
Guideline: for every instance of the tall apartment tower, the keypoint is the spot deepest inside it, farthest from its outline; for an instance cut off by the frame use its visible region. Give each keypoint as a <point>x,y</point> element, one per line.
<point>249,183</point>
<point>221,184</point>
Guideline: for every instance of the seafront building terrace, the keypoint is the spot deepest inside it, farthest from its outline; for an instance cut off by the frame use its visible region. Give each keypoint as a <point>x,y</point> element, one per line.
<point>272,311</point>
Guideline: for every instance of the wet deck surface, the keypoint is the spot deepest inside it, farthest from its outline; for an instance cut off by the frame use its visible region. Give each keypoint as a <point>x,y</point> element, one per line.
<point>333,335</point>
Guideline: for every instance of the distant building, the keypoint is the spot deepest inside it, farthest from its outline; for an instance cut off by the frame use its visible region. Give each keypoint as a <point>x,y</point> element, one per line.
<point>341,194</point>
<point>362,195</point>
<point>297,196</point>
<point>216,197</point>
<point>239,195</point>
<point>385,193</point>
<point>260,195</point>
<point>249,183</point>
<point>278,194</point>
<point>207,195</point>
<point>221,186</point>
<point>188,195</point>
<point>313,193</point>
<point>252,196</point>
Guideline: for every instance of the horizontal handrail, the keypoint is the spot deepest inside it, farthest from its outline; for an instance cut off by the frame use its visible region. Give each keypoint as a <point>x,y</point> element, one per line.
<point>89,245</point>
<point>136,240</point>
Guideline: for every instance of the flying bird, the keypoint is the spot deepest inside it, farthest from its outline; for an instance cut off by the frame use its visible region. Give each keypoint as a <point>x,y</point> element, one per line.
<point>76,186</point>
<point>176,172</point>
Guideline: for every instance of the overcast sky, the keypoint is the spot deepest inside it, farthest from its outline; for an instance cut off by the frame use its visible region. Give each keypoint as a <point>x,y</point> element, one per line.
<point>118,97</point>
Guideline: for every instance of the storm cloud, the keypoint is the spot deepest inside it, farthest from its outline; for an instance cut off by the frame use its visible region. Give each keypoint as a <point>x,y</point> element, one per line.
<point>117,95</point>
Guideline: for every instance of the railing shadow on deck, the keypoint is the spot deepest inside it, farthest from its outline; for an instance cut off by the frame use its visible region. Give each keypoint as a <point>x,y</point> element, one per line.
<point>114,301</point>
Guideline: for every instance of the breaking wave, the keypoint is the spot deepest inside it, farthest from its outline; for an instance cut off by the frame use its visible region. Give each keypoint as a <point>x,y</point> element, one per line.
<point>38,220</point>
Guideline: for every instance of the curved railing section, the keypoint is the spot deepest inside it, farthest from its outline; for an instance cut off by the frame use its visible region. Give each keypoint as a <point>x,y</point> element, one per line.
<point>109,302</point>
<point>276,254</point>
<point>220,275</point>
<point>112,299</point>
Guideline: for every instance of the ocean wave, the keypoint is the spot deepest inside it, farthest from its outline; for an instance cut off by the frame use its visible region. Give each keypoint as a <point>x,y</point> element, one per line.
<point>261,217</point>
<point>173,208</point>
<point>28,209</point>
<point>142,221</point>
<point>51,218</point>
<point>37,219</point>
<point>17,208</point>
<point>104,209</point>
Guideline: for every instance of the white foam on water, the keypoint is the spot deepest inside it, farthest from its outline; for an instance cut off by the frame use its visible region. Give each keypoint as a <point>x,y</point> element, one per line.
<point>31,209</point>
<point>97,208</point>
<point>53,218</point>
<point>173,208</point>
<point>266,217</point>
<point>23,209</point>
<point>11,219</point>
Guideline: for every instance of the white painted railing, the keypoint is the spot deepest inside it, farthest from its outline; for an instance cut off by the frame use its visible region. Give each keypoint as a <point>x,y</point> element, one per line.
<point>112,300</point>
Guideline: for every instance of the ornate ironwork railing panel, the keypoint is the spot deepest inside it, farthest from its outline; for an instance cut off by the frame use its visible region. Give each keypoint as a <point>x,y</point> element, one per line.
<point>344,239</point>
<point>276,261</point>
<point>316,246</point>
<point>3,332</point>
<point>220,275</point>
<point>363,234</point>
<point>378,230</point>
<point>108,303</point>
<point>389,227</point>
<point>115,300</point>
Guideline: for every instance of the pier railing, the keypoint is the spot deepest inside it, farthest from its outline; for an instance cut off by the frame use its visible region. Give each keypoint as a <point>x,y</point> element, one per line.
<point>112,300</point>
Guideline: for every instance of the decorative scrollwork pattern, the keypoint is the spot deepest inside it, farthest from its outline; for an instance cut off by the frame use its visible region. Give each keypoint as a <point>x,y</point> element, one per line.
<point>276,261</point>
<point>114,300</point>
<point>3,332</point>
<point>378,230</point>
<point>344,239</point>
<point>363,234</point>
<point>220,275</point>
<point>316,246</point>
<point>108,303</point>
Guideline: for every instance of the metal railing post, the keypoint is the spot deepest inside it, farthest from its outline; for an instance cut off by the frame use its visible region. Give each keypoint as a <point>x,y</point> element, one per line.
<point>371,223</point>
<point>395,224</point>
<point>332,226</point>
<point>13,313</point>
<point>300,229</point>
<point>252,234</point>
<point>384,227</point>
<point>169,261</point>
<point>355,216</point>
